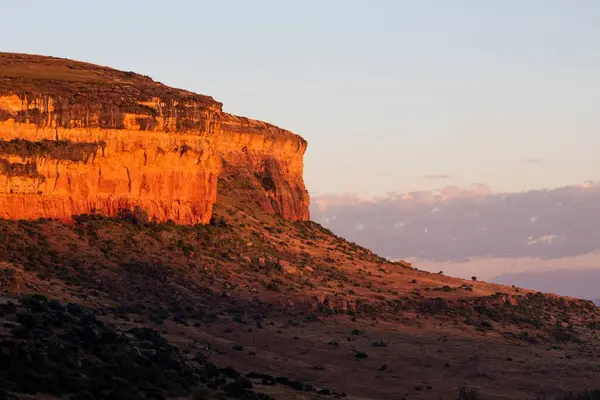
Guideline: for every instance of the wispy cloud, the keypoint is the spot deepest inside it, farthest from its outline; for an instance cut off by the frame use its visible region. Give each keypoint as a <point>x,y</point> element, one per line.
<point>530,160</point>
<point>460,223</point>
<point>436,176</point>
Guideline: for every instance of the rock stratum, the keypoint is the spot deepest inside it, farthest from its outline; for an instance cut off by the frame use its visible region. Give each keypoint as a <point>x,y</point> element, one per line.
<point>78,138</point>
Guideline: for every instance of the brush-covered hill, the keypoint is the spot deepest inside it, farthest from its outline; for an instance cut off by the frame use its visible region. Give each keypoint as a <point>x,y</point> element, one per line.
<point>254,301</point>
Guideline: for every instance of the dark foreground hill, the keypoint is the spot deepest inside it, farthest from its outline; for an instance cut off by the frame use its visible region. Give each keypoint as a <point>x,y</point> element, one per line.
<point>253,303</point>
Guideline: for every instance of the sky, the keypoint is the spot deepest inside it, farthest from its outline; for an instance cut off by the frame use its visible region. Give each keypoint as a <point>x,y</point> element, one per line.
<point>545,240</point>
<point>392,96</point>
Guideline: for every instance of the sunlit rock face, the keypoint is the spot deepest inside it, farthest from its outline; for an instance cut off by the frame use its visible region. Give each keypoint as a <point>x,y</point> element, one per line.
<point>78,138</point>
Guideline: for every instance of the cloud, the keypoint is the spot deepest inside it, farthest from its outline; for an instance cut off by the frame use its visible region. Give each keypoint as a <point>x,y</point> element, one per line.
<point>542,239</point>
<point>359,227</point>
<point>455,223</point>
<point>530,160</point>
<point>437,176</point>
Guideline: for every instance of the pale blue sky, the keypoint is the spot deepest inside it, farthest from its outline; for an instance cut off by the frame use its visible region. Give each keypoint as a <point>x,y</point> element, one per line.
<point>386,92</point>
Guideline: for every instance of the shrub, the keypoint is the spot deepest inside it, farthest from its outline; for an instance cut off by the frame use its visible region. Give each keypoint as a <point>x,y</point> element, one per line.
<point>141,216</point>
<point>138,216</point>
<point>585,395</point>
<point>56,149</point>
<point>564,335</point>
<point>465,393</point>
<point>28,169</point>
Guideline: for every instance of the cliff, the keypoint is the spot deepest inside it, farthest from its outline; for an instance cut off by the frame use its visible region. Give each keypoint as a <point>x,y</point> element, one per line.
<point>78,138</point>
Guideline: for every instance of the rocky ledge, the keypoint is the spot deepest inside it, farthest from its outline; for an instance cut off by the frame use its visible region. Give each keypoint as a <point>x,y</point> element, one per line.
<point>79,138</point>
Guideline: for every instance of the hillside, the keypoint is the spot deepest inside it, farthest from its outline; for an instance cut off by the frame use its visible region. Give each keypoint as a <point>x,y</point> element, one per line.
<point>256,303</point>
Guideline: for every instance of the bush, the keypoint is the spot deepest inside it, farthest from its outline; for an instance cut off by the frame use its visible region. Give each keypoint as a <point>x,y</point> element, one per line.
<point>28,169</point>
<point>465,393</point>
<point>138,216</point>
<point>82,396</point>
<point>56,149</point>
<point>564,335</point>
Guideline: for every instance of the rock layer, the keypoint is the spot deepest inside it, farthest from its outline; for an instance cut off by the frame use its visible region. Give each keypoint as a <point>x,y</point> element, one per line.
<point>78,138</point>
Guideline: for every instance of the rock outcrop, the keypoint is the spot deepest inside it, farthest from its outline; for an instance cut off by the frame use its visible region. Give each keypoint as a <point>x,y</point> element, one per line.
<point>78,138</point>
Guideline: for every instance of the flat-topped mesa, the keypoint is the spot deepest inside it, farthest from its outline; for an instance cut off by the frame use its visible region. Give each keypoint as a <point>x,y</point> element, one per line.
<point>268,168</point>
<point>78,138</point>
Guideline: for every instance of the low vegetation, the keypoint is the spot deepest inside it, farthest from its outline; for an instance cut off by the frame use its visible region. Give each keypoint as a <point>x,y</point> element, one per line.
<point>28,169</point>
<point>65,349</point>
<point>55,149</point>
<point>251,290</point>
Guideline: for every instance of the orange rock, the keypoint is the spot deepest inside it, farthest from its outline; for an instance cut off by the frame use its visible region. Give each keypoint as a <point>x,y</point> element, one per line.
<point>511,300</point>
<point>287,267</point>
<point>162,149</point>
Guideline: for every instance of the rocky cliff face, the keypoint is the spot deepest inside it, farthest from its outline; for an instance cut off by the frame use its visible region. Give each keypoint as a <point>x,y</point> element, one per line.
<point>78,138</point>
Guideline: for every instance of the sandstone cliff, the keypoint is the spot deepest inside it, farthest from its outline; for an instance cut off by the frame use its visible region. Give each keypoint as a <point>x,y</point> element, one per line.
<point>78,138</point>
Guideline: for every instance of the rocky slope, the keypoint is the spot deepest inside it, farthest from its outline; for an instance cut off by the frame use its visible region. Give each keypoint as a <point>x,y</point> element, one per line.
<point>78,138</point>
<point>301,313</point>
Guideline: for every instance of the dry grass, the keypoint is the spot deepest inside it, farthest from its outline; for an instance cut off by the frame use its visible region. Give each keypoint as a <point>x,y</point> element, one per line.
<point>231,283</point>
<point>79,82</point>
<point>51,72</point>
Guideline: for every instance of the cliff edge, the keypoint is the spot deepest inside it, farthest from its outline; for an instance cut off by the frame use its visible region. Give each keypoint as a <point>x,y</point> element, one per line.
<point>78,138</point>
